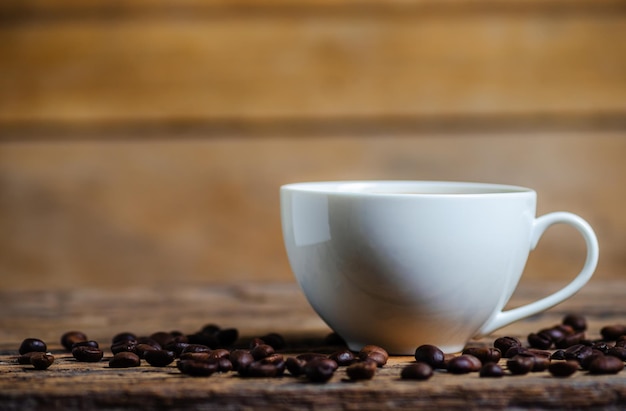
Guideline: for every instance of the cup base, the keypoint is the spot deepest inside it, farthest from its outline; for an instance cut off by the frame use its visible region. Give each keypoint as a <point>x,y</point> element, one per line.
<point>405,350</point>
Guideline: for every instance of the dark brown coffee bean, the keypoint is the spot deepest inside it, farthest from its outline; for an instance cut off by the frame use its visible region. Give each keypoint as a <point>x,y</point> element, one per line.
<point>601,346</point>
<point>320,369</point>
<point>520,364</point>
<point>240,359</point>
<point>295,366</point>
<point>554,334</point>
<point>418,371</point>
<point>343,357</point>
<point>197,368</point>
<point>224,365</point>
<point>262,351</point>
<point>125,359</point>
<point>276,360</point>
<point>24,359</point>
<point>504,344</point>
<point>87,343</point>
<point>124,346</point>
<point>541,340</point>
<point>515,351</point>
<point>586,362</point>
<point>254,342</point>
<point>199,356</point>
<point>308,356</point>
<point>464,364</point>
<point>484,354</point>
<point>621,341</point>
<point>541,363</point>
<point>431,355</point>
<point>578,352</point>
<point>259,369</point>
<point>162,338</point>
<point>32,344</point>
<point>219,353</point>
<point>85,353</point>
<point>123,336</point>
<point>570,340</point>
<point>364,370</point>
<point>619,352</point>
<point>563,368</point>
<point>70,338</point>
<point>142,349</point>
<point>149,341</point>
<point>491,370</point>
<point>558,355</point>
<point>613,332</point>
<point>606,365</point>
<point>377,357</point>
<point>41,360</point>
<point>177,346</point>
<point>195,348</point>
<point>159,358</point>
<point>577,322</point>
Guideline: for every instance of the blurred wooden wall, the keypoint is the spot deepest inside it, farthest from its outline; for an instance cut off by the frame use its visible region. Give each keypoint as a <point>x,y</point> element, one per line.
<point>145,142</point>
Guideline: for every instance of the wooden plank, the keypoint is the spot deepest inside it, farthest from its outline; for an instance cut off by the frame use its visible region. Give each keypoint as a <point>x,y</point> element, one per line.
<point>258,309</point>
<point>127,211</point>
<point>296,64</point>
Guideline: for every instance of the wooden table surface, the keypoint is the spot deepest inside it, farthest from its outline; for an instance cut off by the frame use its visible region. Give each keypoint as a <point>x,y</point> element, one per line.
<point>256,309</point>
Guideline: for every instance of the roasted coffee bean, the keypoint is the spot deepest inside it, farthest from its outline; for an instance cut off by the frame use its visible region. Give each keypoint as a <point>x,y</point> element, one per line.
<point>41,360</point>
<point>142,349</point>
<point>577,322</point>
<point>276,360</point>
<point>343,357</point>
<point>203,338</point>
<point>308,356</point>
<point>514,351</point>
<point>601,346</point>
<point>417,371</point>
<point>254,342</point>
<point>376,357</point>
<point>430,355</point>
<point>70,338</point>
<point>219,353</point>
<point>275,340</point>
<point>227,337</point>
<point>295,366</point>
<point>86,343</point>
<point>554,334</point>
<point>613,332</point>
<point>504,344</point>
<point>558,355</point>
<point>159,358</point>
<point>259,369</point>
<point>520,364</point>
<point>162,338</point>
<point>541,363</point>
<point>32,344</point>
<point>484,354</point>
<point>586,362</point>
<point>85,353</point>
<point>149,341</point>
<point>123,336</point>
<point>195,348</point>
<point>621,341</point>
<point>24,359</point>
<point>320,369</point>
<point>262,351</point>
<point>197,368</point>
<point>464,364</point>
<point>240,359</point>
<point>199,356</point>
<point>541,340</point>
<point>570,340</point>
<point>578,352</point>
<point>491,370</point>
<point>124,346</point>
<point>125,359</point>
<point>364,370</point>
<point>177,346</point>
<point>224,365</point>
<point>606,365</point>
<point>563,368</point>
<point>619,352</point>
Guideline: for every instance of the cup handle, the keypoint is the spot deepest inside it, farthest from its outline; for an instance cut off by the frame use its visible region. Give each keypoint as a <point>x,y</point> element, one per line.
<point>540,225</point>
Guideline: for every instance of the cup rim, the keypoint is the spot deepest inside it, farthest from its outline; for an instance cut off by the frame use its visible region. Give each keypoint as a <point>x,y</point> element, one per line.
<point>392,188</point>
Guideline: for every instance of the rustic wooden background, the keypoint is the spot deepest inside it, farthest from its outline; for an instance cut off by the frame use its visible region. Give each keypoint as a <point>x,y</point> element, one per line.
<point>145,142</point>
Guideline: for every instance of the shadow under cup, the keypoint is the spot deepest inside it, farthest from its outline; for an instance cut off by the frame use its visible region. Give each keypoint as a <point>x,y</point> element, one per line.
<point>405,263</point>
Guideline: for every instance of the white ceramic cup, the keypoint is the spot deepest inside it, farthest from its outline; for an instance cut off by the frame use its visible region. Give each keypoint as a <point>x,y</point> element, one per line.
<point>404,263</point>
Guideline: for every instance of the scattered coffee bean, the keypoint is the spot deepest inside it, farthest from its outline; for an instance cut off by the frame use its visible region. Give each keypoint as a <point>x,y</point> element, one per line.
<point>123,336</point>
<point>159,358</point>
<point>142,349</point>
<point>276,360</point>
<point>240,359</point>
<point>484,354</point>
<point>542,341</point>
<point>70,338</point>
<point>520,364</point>
<point>308,356</point>
<point>125,359</point>
<point>196,368</point>
<point>491,370</point>
<point>86,343</point>
<point>570,340</point>
<point>619,352</point>
<point>343,357</point>
<point>606,364</point>
<point>558,355</point>
<point>514,351</point>
<point>32,344</point>
<point>613,332</point>
<point>431,355</point>
<point>262,351</point>
<point>295,366</point>
<point>374,353</point>
<point>86,353</point>
<point>224,365</point>
<point>563,368</point>
<point>417,371</point>
<point>162,338</point>
<point>364,370</point>
<point>577,322</point>
<point>259,369</point>
<point>41,360</point>
<point>578,352</point>
<point>504,344</point>
<point>124,346</point>
<point>464,364</point>
<point>24,359</point>
<point>195,348</point>
<point>586,362</point>
<point>320,369</point>
<point>219,353</point>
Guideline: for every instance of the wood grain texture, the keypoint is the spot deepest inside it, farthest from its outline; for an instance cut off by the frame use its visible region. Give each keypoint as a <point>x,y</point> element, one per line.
<point>206,210</point>
<point>73,62</point>
<point>257,309</point>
